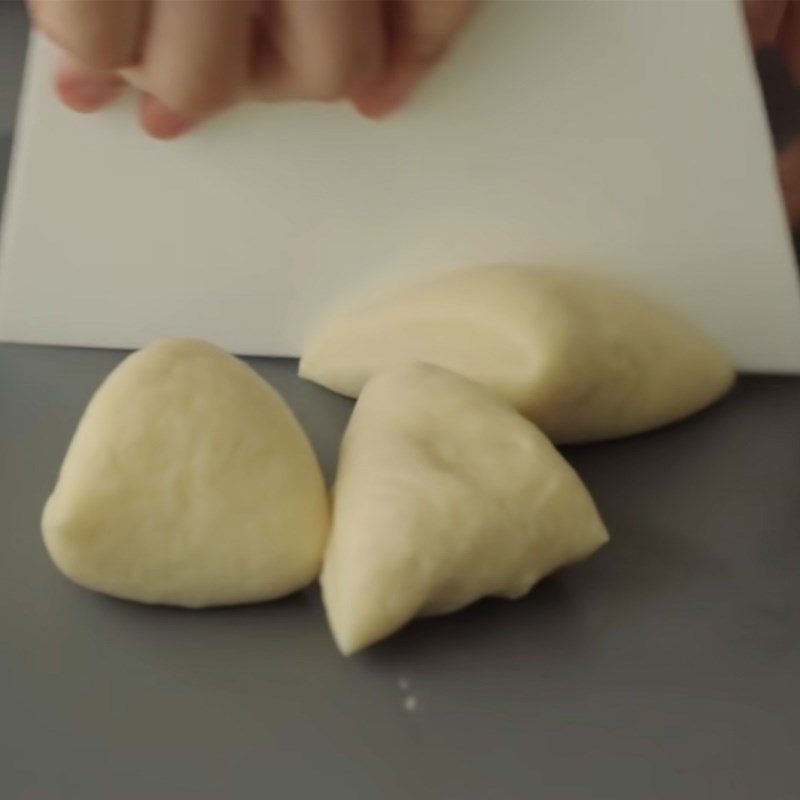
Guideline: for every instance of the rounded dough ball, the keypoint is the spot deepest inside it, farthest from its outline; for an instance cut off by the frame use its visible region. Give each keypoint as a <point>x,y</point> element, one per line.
<point>444,494</point>
<point>188,482</point>
<point>581,356</point>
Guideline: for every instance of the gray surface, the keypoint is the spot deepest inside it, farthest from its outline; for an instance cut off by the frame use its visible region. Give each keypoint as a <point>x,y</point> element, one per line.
<point>665,667</point>
<point>13,31</point>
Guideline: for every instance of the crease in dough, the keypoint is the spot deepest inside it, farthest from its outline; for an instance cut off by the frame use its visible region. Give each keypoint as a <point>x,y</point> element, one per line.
<point>583,357</point>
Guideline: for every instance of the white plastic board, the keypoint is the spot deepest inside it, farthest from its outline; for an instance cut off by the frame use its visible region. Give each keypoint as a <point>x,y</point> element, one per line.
<point>622,137</point>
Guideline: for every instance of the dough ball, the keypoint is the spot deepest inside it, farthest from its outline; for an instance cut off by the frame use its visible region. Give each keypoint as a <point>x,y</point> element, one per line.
<point>582,357</point>
<point>188,482</point>
<point>444,494</point>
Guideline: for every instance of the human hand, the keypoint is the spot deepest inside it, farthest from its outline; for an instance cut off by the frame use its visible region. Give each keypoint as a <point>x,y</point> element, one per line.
<point>775,24</point>
<point>191,59</point>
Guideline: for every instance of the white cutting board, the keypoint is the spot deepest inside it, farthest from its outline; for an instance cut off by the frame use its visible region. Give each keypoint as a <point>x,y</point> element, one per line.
<point>627,138</point>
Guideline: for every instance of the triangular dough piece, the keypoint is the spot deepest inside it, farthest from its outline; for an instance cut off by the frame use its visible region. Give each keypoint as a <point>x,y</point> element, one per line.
<point>581,356</point>
<point>444,494</point>
<point>188,482</point>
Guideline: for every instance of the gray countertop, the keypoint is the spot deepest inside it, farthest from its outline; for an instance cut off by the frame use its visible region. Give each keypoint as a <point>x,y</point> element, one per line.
<point>13,33</point>
<point>667,666</point>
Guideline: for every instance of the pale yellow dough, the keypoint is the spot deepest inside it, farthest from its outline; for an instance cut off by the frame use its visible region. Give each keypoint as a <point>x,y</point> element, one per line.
<point>188,482</point>
<point>444,494</point>
<point>581,356</point>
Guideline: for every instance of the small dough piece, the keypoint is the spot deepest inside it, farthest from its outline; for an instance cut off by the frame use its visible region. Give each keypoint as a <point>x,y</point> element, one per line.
<point>188,482</point>
<point>444,494</point>
<point>582,357</point>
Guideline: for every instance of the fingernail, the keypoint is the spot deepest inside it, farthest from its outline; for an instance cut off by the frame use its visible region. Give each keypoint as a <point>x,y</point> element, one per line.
<point>85,94</point>
<point>162,122</point>
<point>379,105</point>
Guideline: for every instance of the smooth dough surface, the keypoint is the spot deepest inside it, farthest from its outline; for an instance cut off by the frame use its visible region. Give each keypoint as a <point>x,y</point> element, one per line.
<point>581,356</point>
<point>444,494</point>
<point>188,482</point>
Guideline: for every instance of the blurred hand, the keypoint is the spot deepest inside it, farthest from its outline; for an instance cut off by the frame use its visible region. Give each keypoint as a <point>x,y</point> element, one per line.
<point>776,23</point>
<point>191,59</point>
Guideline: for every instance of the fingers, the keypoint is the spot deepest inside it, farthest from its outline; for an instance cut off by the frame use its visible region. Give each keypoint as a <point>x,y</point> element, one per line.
<point>83,88</point>
<point>101,34</point>
<point>98,36</point>
<point>193,58</point>
<point>320,49</point>
<point>420,32</point>
<point>194,61</point>
<point>763,18</point>
<point>160,121</point>
<point>776,23</point>
<point>789,40</point>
